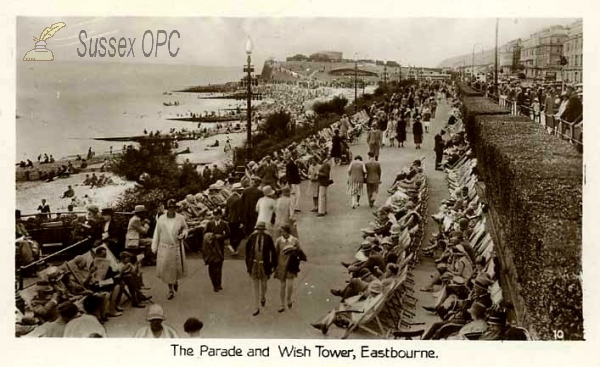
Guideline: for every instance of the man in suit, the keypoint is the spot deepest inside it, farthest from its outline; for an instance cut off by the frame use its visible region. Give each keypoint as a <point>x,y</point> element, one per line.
<point>233,214</point>
<point>269,173</point>
<point>110,231</point>
<point>324,178</point>
<point>373,178</point>
<point>439,149</point>
<point>248,202</point>
<point>293,178</point>
<point>213,249</point>
<point>374,139</point>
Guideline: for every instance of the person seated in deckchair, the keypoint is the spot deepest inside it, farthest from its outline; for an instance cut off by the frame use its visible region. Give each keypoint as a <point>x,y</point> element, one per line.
<point>358,303</point>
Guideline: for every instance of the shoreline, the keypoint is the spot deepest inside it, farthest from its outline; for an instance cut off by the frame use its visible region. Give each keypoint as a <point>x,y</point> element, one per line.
<point>30,193</point>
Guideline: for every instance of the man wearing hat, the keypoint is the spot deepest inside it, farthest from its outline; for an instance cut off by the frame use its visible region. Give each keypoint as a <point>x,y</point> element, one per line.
<point>478,323</point>
<point>213,248</point>
<point>137,229</point>
<point>167,243</point>
<point>293,178</point>
<point>109,234</point>
<point>248,201</point>
<point>356,285</point>
<point>439,149</point>
<point>156,327</point>
<point>233,215</point>
<point>261,261</point>
<point>375,260</point>
<point>373,178</point>
<point>44,303</point>
<point>268,173</point>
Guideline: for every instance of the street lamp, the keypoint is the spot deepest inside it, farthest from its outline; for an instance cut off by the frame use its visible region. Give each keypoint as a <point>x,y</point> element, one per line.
<point>473,59</point>
<point>248,69</point>
<point>355,82</point>
<point>496,60</point>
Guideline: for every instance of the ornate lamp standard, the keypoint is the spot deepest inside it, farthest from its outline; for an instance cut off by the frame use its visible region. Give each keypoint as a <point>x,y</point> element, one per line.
<point>355,82</point>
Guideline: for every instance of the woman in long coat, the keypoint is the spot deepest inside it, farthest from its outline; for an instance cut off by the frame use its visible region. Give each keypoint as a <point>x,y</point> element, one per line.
<point>336,147</point>
<point>289,255</point>
<point>418,132</point>
<point>167,244</point>
<point>401,129</point>
<point>356,180</point>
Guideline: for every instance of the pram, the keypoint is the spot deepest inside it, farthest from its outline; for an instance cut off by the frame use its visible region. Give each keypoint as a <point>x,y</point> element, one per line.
<point>346,156</point>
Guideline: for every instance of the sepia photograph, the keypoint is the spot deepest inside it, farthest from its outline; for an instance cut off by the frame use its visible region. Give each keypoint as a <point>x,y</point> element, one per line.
<point>416,178</point>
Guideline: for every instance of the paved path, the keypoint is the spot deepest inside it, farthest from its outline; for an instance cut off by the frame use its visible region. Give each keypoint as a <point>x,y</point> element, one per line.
<point>326,241</point>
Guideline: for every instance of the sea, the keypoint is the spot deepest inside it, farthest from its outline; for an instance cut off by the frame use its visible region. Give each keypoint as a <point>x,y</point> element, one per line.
<point>63,106</point>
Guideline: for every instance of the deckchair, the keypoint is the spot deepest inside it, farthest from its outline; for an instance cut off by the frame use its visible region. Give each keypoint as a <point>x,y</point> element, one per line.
<point>371,311</point>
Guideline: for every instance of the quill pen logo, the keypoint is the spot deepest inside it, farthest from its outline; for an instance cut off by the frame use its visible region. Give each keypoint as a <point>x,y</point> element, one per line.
<point>40,52</point>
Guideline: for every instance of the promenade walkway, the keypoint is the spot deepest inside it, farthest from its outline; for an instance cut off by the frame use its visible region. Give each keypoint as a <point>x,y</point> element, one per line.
<point>326,241</point>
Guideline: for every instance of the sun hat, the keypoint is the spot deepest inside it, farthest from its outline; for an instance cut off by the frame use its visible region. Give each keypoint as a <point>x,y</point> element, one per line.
<point>496,317</point>
<point>213,187</point>
<point>268,191</point>
<point>43,286</point>
<point>237,186</point>
<point>154,312</point>
<point>260,225</point>
<point>171,203</point>
<point>139,209</point>
<point>368,231</point>
<point>387,241</point>
<point>366,246</point>
<point>93,209</point>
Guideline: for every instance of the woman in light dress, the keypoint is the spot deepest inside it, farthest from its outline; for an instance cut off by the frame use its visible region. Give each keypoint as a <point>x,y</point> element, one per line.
<point>313,186</point>
<point>167,244</point>
<point>356,180</point>
<point>289,255</point>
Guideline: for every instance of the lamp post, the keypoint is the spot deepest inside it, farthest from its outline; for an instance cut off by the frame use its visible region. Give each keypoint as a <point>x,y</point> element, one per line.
<point>473,59</point>
<point>496,60</point>
<point>248,70</point>
<point>355,82</point>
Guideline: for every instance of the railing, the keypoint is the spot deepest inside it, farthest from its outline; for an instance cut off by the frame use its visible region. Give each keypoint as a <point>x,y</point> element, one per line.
<point>43,260</point>
<point>571,131</point>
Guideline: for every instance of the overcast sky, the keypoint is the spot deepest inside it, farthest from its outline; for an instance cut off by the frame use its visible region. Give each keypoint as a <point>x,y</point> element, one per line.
<point>221,41</point>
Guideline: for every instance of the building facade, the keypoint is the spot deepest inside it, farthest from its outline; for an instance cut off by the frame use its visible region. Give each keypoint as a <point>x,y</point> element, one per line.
<point>573,52</point>
<point>541,53</point>
<point>509,57</point>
